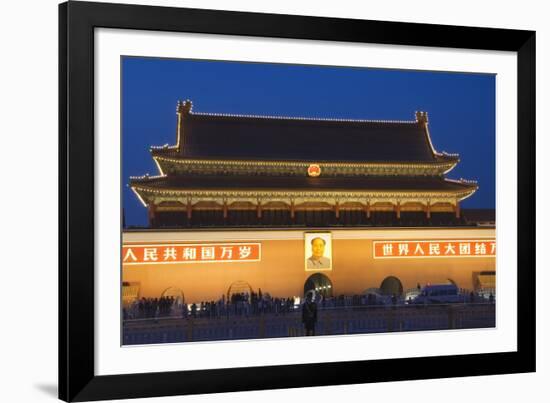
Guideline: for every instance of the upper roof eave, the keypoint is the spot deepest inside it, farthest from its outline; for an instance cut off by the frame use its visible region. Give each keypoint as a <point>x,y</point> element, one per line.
<point>173,156</point>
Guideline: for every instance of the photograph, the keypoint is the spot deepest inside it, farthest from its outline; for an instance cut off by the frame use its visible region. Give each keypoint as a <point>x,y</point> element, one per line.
<point>269,200</point>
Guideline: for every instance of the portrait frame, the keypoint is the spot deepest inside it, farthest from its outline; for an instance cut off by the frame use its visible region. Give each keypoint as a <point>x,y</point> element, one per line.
<point>309,238</point>
<point>78,380</point>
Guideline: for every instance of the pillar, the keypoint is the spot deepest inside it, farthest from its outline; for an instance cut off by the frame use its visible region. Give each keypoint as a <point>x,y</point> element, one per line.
<point>189,210</point>
<point>292,215</point>
<point>457,210</point>
<point>429,210</point>
<point>152,213</point>
<point>398,210</point>
<point>259,210</point>
<point>337,209</point>
<point>225,209</point>
<point>367,209</point>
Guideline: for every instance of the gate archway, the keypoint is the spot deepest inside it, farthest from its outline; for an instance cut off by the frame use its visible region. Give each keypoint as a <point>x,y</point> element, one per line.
<point>239,287</point>
<point>451,281</point>
<point>391,285</point>
<point>174,292</point>
<point>318,283</point>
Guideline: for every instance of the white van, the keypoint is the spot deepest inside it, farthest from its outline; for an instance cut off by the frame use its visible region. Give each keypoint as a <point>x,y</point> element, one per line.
<point>439,294</point>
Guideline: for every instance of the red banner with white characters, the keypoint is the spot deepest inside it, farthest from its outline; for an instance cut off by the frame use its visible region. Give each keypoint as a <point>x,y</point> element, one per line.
<point>434,249</point>
<point>190,253</point>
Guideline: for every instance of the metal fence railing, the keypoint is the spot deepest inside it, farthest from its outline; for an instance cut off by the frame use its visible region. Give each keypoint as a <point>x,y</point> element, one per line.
<point>331,321</point>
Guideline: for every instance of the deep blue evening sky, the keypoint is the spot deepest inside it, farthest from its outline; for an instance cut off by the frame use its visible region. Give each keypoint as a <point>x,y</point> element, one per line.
<point>461,108</point>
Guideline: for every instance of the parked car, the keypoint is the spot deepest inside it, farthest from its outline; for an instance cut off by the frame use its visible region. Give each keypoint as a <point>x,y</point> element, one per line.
<point>439,294</point>
<point>411,294</point>
<point>375,297</point>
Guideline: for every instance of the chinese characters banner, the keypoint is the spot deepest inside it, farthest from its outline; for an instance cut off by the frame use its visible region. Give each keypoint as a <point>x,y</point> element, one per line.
<point>445,248</point>
<point>191,253</point>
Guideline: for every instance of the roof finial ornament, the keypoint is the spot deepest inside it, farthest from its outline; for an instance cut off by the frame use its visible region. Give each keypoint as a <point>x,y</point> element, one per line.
<point>184,107</point>
<point>421,117</point>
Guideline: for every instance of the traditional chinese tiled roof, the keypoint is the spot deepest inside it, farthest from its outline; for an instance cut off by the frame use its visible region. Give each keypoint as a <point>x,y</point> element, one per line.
<point>241,157</point>
<point>274,138</point>
<point>304,183</point>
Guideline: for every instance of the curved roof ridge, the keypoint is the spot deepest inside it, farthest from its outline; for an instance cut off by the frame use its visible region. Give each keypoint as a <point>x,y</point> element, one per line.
<point>249,116</point>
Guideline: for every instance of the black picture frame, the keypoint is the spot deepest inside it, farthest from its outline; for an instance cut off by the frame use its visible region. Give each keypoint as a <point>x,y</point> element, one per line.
<point>77,379</point>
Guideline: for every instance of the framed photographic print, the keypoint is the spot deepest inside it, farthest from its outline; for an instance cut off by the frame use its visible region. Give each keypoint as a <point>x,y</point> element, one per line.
<point>241,191</point>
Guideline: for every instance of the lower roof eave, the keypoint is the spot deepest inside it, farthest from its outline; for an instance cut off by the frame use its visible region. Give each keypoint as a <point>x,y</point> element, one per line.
<point>146,194</point>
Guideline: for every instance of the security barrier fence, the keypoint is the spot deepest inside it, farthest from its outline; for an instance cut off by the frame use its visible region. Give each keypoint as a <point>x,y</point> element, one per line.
<point>331,321</point>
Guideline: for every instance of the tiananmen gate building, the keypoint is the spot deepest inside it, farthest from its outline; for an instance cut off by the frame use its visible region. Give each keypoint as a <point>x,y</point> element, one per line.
<point>241,202</point>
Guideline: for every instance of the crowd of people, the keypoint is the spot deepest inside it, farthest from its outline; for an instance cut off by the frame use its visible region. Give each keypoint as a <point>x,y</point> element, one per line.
<point>150,308</point>
<point>239,304</point>
<point>249,304</point>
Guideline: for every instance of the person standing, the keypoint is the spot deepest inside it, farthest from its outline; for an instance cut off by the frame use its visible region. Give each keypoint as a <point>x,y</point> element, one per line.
<point>309,315</point>
<point>184,310</point>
